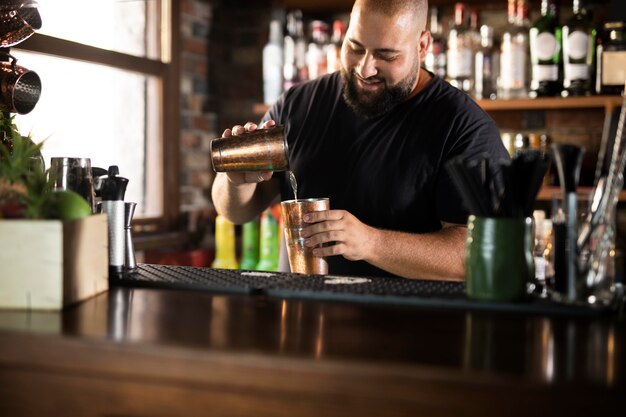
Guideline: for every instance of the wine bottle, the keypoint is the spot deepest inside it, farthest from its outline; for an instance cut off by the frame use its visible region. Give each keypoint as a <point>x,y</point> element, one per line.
<point>578,52</point>
<point>487,62</point>
<point>545,52</point>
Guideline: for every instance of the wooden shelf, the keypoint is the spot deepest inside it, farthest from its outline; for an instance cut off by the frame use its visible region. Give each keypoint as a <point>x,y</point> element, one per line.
<point>550,103</point>
<point>608,103</point>
<point>548,192</point>
<point>344,6</point>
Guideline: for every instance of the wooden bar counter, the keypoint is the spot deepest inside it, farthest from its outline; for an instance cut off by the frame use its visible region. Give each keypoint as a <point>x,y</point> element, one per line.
<point>155,352</point>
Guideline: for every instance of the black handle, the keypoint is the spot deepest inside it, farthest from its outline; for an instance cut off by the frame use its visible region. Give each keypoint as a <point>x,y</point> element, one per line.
<point>568,159</point>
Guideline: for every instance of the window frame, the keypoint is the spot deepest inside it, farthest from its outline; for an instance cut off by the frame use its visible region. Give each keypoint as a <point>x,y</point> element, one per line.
<point>167,70</point>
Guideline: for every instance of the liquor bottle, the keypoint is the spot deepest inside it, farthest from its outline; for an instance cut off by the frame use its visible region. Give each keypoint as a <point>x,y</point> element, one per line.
<point>579,39</point>
<point>269,241</point>
<point>474,28</point>
<point>513,52</point>
<point>294,69</point>
<point>316,52</point>
<point>333,53</point>
<point>250,244</point>
<point>273,64</point>
<point>460,54</point>
<point>611,59</point>
<point>487,62</point>
<point>545,52</point>
<point>225,256</point>
<point>435,60</point>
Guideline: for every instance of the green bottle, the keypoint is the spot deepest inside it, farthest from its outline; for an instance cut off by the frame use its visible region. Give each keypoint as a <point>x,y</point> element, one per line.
<point>250,245</point>
<point>545,52</point>
<point>269,242</point>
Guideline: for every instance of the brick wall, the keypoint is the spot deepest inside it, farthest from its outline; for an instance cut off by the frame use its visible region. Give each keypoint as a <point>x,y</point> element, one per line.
<point>221,80</point>
<point>198,121</point>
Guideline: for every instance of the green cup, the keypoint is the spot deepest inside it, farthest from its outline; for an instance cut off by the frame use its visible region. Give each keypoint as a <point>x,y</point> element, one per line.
<point>498,258</point>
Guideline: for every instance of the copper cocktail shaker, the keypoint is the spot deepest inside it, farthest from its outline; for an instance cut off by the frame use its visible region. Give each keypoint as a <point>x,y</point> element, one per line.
<point>301,258</point>
<point>259,150</point>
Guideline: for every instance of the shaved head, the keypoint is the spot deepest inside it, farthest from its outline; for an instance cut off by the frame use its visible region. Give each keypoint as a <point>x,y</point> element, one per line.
<point>419,8</point>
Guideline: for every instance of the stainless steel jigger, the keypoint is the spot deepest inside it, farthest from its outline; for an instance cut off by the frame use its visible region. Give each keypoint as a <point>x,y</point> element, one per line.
<point>130,264</point>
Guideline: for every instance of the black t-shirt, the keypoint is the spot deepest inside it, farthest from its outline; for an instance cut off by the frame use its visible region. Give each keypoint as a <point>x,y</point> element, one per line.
<point>388,171</point>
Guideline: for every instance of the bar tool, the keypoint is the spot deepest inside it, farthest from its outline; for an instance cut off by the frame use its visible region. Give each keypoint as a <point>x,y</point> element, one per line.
<point>568,159</point>
<point>130,264</point>
<point>259,150</point>
<point>598,230</point>
<point>73,174</point>
<point>112,187</point>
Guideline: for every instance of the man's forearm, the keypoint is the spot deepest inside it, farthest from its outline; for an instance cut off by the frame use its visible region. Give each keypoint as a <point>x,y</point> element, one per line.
<point>241,203</point>
<point>437,255</point>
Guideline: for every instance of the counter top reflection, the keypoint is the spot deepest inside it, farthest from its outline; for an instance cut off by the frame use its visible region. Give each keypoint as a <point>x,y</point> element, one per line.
<point>164,352</point>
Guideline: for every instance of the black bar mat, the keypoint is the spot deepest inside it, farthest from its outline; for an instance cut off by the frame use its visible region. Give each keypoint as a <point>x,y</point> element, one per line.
<point>385,290</point>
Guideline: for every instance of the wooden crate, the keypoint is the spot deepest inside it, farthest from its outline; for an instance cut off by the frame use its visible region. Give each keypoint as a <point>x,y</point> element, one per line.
<point>50,264</point>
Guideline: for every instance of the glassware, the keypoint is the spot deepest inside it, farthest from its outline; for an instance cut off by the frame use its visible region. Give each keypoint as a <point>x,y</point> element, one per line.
<point>460,55</point>
<point>487,62</point>
<point>513,52</point>
<point>435,60</point>
<point>545,52</point>
<point>579,39</point>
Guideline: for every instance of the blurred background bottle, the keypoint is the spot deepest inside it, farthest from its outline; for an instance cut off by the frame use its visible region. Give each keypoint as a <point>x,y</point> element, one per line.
<point>514,51</point>
<point>579,39</point>
<point>460,54</point>
<point>545,52</point>
<point>225,256</point>
<point>294,68</point>
<point>333,53</point>
<point>435,60</point>
<point>611,58</point>
<point>316,55</point>
<point>487,62</point>
<point>250,244</point>
<point>273,64</point>
<point>269,240</point>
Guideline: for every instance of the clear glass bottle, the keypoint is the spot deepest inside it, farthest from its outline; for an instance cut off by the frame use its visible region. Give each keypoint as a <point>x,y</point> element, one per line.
<point>316,52</point>
<point>487,62</point>
<point>435,60</point>
<point>514,52</point>
<point>579,37</point>
<point>333,53</point>
<point>460,54</point>
<point>545,52</point>
<point>294,67</point>
<point>273,64</point>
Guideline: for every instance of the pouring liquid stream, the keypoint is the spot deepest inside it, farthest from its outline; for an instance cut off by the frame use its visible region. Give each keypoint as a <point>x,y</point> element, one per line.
<point>294,185</point>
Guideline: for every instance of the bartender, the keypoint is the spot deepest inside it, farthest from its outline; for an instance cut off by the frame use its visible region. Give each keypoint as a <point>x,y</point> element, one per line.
<point>374,138</point>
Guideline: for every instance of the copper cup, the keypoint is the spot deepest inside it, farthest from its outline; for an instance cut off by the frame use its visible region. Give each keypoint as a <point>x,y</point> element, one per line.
<point>260,150</point>
<point>301,258</point>
<point>20,88</point>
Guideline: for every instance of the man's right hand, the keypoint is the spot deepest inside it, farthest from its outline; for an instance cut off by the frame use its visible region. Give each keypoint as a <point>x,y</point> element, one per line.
<point>239,178</point>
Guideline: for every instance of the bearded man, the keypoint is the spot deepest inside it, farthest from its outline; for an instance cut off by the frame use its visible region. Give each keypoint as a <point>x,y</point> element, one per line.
<point>374,138</point>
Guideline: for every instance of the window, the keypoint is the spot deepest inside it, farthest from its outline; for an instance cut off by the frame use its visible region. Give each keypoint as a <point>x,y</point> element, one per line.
<point>109,93</point>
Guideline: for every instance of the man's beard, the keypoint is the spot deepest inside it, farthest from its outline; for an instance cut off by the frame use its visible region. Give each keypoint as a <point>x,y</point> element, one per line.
<point>372,104</point>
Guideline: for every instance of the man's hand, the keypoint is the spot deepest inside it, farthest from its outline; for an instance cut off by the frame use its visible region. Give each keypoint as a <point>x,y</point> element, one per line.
<point>238,178</point>
<point>351,238</point>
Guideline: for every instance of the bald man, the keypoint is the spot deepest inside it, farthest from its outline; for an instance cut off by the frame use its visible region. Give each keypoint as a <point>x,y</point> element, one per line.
<point>374,138</point>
